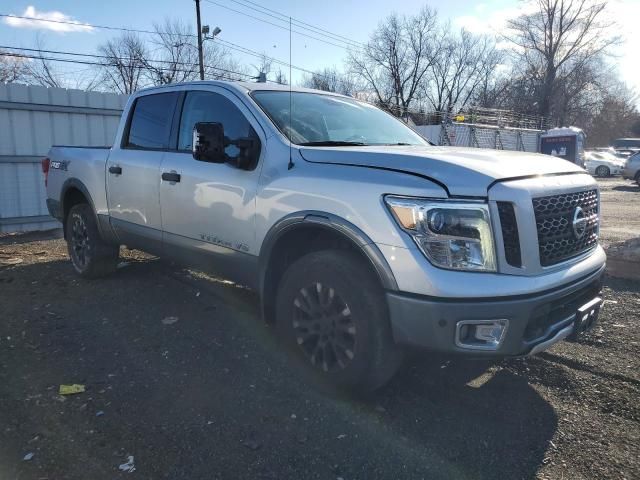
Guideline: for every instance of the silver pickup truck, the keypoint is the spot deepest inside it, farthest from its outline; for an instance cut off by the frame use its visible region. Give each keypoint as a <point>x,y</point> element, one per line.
<point>360,237</point>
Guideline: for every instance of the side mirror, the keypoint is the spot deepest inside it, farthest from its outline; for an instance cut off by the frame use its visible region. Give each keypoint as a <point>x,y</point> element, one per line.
<point>249,148</point>
<point>208,142</point>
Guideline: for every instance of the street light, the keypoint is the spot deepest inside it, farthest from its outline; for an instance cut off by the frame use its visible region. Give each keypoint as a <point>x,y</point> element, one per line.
<point>205,32</point>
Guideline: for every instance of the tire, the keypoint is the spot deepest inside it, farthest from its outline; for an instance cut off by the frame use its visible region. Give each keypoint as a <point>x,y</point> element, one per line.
<point>603,171</point>
<point>90,256</point>
<point>339,331</point>
<point>638,178</point>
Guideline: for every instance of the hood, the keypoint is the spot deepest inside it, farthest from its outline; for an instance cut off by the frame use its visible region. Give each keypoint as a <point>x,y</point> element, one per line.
<point>463,171</point>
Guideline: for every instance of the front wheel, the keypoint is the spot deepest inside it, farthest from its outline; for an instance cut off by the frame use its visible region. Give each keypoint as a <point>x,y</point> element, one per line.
<point>90,255</point>
<point>331,311</point>
<point>603,171</point>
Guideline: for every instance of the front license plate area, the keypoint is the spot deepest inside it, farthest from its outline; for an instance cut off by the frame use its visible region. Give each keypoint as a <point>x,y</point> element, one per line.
<point>586,318</point>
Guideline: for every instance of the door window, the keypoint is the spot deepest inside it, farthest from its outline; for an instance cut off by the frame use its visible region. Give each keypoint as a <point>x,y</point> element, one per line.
<point>150,125</point>
<point>212,107</point>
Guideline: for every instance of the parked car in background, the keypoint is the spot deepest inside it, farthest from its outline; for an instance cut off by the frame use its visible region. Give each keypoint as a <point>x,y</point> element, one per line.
<point>612,151</point>
<point>627,146</point>
<point>631,170</point>
<point>603,164</point>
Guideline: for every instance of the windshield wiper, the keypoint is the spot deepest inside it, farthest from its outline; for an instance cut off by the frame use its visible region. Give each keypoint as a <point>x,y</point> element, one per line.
<point>332,143</point>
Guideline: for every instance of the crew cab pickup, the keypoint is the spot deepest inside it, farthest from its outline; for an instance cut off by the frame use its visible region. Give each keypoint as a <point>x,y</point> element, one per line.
<point>360,237</point>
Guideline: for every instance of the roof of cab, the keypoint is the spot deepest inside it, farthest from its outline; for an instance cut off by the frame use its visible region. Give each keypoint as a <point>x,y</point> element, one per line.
<point>243,87</point>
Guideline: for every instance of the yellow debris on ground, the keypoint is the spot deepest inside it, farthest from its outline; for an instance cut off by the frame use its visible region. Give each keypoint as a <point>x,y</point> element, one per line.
<point>71,389</point>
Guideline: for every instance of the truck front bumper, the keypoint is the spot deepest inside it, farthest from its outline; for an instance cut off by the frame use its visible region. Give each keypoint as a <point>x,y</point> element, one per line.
<point>532,322</point>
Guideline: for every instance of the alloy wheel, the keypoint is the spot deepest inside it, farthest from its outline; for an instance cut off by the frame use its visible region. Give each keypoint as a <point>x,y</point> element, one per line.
<point>80,241</point>
<point>324,327</point>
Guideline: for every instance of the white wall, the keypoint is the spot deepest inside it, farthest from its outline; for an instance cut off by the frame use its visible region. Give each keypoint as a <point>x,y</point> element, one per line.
<point>33,118</point>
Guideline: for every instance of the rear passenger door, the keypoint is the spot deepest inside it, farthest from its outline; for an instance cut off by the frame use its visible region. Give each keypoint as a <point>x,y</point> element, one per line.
<point>133,169</point>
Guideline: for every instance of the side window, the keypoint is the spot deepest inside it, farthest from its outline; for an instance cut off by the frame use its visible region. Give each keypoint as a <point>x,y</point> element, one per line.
<point>150,125</point>
<point>212,107</point>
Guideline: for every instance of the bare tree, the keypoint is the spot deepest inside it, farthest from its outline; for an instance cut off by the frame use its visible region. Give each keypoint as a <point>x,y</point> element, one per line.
<point>463,64</point>
<point>12,67</point>
<point>556,39</point>
<point>264,65</point>
<point>581,92</point>
<point>617,116</point>
<point>41,70</point>
<point>219,64</point>
<point>280,77</point>
<point>331,80</point>
<point>395,61</point>
<point>175,54</point>
<point>125,63</point>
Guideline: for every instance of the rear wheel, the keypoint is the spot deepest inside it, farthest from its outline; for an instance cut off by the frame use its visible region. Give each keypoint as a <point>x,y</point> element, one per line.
<point>603,171</point>
<point>332,313</point>
<point>638,178</point>
<point>90,255</point>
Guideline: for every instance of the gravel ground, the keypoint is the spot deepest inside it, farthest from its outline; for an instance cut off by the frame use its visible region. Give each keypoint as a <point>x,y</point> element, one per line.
<point>182,375</point>
<point>620,210</point>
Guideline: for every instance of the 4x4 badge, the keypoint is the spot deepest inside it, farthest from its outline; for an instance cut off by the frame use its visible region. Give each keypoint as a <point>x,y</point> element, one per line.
<point>579,223</point>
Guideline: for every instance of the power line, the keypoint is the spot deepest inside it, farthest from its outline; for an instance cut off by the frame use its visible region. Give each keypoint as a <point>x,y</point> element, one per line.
<point>241,49</point>
<point>277,25</point>
<point>299,23</point>
<point>226,74</point>
<point>93,55</point>
<point>230,45</point>
<point>65,22</point>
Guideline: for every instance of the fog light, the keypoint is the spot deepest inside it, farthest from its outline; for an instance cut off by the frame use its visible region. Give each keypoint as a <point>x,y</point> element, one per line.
<point>481,334</point>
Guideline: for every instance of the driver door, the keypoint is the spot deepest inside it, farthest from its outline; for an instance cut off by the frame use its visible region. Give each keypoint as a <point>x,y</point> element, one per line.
<point>208,210</point>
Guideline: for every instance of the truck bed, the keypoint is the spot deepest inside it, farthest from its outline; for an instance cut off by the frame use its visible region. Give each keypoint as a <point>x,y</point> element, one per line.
<point>82,166</point>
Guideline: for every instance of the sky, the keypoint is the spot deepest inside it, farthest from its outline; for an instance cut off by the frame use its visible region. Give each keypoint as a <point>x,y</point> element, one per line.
<point>354,20</point>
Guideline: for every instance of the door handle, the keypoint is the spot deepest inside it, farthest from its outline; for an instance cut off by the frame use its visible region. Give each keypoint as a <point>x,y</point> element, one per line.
<point>170,176</point>
<point>115,170</point>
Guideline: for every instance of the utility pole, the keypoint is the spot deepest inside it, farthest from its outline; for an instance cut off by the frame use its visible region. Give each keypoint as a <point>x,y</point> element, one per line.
<point>200,55</point>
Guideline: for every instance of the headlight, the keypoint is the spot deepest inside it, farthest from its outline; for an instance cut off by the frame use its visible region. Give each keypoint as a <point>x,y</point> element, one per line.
<point>452,235</point>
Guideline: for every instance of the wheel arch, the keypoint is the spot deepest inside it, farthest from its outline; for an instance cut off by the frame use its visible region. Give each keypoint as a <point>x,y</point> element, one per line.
<point>73,192</point>
<point>285,243</point>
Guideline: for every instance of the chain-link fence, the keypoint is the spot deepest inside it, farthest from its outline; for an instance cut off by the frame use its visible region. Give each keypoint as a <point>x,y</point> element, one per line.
<point>480,128</point>
<point>485,136</point>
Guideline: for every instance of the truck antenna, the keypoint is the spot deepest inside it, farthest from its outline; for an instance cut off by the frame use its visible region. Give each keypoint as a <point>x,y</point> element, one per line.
<point>290,166</point>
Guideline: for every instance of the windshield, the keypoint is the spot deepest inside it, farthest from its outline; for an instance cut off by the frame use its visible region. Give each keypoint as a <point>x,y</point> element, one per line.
<point>331,120</point>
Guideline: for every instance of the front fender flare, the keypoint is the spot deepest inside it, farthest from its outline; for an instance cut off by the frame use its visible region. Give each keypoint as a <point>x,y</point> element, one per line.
<point>331,222</point>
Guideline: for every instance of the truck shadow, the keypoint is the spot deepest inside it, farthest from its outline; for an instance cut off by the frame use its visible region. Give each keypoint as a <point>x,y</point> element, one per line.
<point>626,188</point>
<point>218,376</point>
<point>466,418</point>
<point>485,419</point>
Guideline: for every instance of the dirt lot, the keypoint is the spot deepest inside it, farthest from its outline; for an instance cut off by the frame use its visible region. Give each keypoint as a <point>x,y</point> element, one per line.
<point>208,394</point>
<point>620,210</point>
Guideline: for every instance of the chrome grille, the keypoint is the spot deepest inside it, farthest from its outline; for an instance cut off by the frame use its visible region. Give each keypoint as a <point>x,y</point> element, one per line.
<point>558,240</point>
